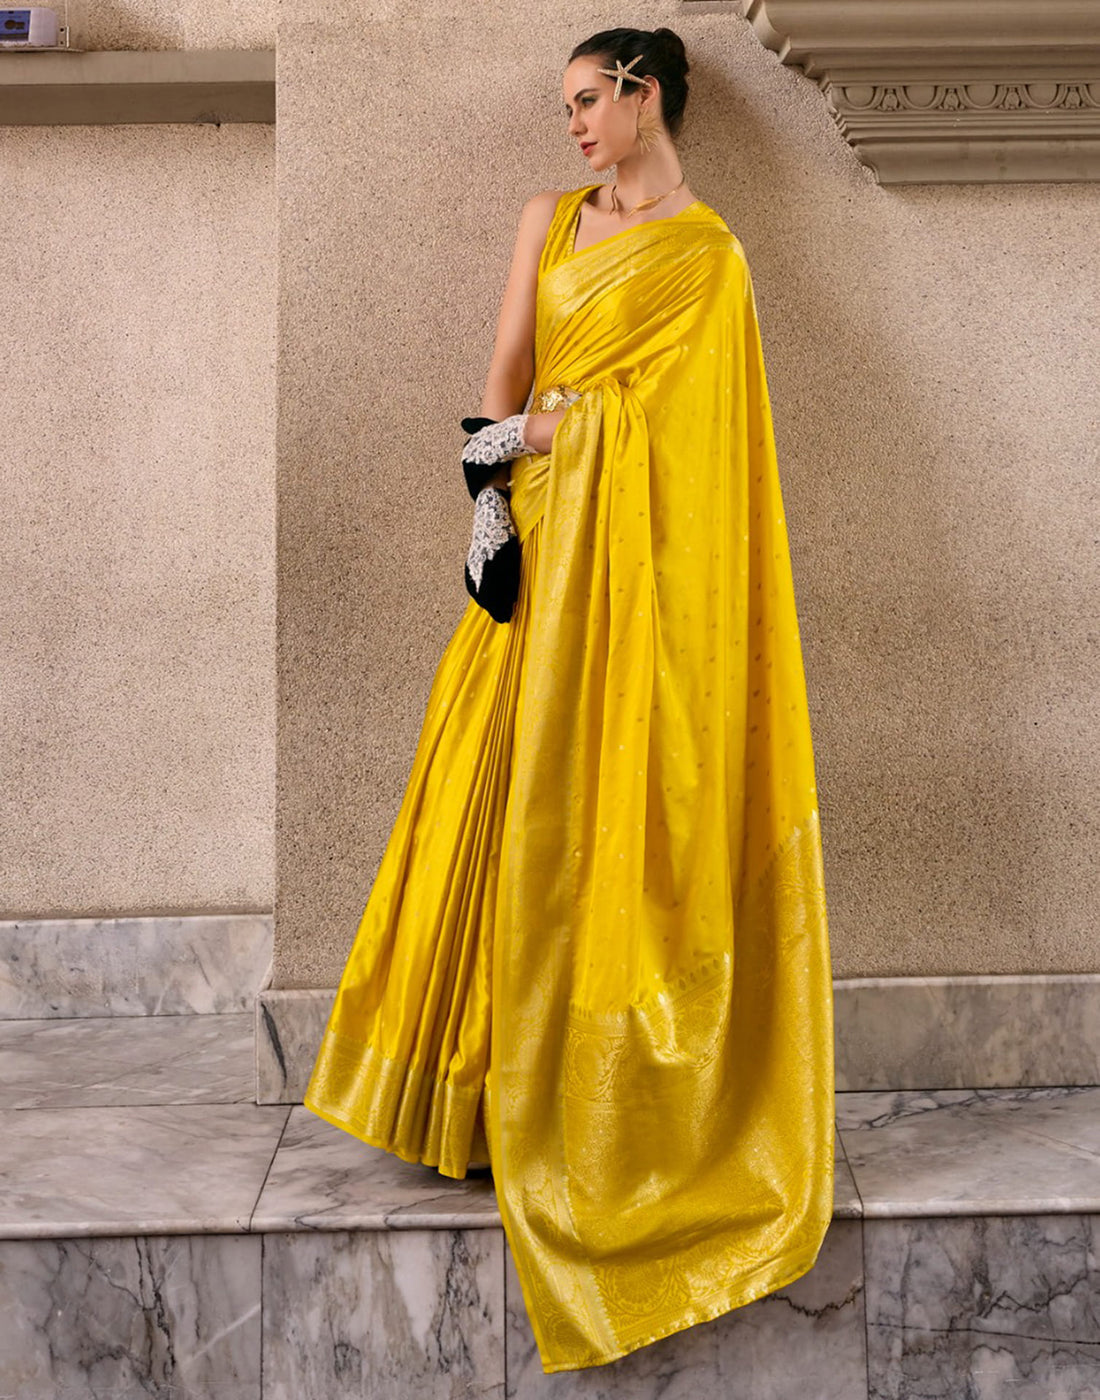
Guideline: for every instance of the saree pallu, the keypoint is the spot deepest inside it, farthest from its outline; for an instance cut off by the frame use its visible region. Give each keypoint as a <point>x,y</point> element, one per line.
<point>596,948</point>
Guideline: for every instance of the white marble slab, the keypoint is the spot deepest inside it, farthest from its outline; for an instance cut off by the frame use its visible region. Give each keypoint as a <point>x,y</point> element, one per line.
<point>289,1028</point>
<point>966,1152</point>
<point>1001,1308</point>
<point>323,1178</point>
<point>967,1031</point>
<point>177,1169</point>
<point>133,967</point>
<point>891,1033</point>
<point>171,1317</point>
<point>373,1315</point>
<point>846,1202</point>
<point>805,1340</point>
<point>118,1060</point>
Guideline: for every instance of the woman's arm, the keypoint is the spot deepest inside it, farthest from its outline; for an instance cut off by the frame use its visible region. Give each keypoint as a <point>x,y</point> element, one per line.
<point>512,367</point>
<point>541,428</point>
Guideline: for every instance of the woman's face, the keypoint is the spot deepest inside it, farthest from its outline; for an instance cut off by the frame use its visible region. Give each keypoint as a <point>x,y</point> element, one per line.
<point>605,131</point>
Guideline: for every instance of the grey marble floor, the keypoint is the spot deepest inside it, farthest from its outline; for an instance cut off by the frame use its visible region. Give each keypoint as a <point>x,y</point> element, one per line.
<point>987,1307</point>
<point>146,1204</point>
<point>118,1061</point>
<point>960,1151</point>
<point>152,1169</point>
<point>325,1179</point>
<point>173,1317</point>
<point>147,1122</point>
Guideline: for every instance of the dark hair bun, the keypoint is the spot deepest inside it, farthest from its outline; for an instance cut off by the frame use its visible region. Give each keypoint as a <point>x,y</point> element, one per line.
<point>674,48</point>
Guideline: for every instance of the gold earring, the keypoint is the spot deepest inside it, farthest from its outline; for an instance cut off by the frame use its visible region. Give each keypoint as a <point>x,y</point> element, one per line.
<point>649,128</point>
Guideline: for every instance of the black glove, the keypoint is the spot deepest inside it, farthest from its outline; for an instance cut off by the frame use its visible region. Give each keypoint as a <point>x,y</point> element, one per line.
<point>491,442</point>
<point>493,561</point>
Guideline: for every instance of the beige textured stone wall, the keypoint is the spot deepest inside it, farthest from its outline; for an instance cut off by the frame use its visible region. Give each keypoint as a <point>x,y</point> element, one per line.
<point>137,335</point>
<point>169,24</point>
<point>931,357</point>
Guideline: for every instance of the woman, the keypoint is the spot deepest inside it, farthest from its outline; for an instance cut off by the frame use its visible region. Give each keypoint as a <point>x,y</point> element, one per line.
<point>596,949</point>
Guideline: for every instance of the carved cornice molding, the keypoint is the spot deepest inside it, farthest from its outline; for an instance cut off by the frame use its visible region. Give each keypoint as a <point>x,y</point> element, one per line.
<point>951,90</point>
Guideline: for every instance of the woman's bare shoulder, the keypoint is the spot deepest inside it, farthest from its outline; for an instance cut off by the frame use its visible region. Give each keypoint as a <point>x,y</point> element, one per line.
<point>536,217</point>
<point>539,210</point>
<point>544,203</point>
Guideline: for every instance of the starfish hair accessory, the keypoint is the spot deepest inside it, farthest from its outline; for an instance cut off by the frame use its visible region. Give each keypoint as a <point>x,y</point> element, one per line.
<point>619,73</point>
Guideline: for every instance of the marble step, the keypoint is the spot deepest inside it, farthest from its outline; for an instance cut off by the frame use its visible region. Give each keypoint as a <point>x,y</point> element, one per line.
<point>82,1097</point>
<point>121,1061</point>
<point>161,1235</point>
<point>74,1172</point>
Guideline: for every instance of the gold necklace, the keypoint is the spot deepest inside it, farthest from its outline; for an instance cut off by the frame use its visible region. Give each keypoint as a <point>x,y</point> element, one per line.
<point>644,203</point>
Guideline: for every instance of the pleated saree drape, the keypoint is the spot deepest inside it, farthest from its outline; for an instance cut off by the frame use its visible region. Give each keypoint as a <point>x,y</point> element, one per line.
<point>596,949</point>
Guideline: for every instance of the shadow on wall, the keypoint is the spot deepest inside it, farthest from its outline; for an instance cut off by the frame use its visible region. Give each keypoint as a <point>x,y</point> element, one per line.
<point>938,541</point>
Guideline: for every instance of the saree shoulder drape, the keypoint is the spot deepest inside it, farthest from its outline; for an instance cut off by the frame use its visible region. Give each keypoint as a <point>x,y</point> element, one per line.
<point>596,950</point>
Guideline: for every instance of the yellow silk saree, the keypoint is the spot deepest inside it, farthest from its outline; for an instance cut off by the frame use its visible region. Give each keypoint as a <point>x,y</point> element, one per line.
<point>596,949</point>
